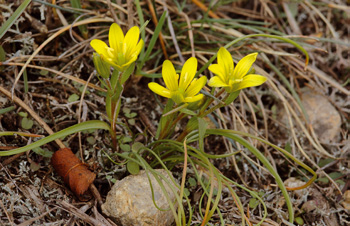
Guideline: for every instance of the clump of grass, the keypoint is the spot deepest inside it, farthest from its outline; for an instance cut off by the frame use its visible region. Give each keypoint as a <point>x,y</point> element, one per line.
<point>240,36</point>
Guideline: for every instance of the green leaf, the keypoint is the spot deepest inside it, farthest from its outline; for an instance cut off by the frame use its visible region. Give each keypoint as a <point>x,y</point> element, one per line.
<point>125,147</point>
<point>91,140</point>
<point>152,42</point>
<point>186,192</point>
<point>165,119</point>
<point>73,97</point>
<point>43,152</point>
<point>133,167</point>
<point>253,203</point>
<point>114,79</point>
<point>323,180</point>
<point>27,123</point>
<point>288,147</point>
<point>2,57</point>
<point>192,182</point>
<point>8,109</point>
<point>340,182</point>
<point>23,114</point>
<point>44,72</point>
<point>335,175</point>
<point>132,115</point>
<point>131,122</point>
<point>82,28</point>
<point>126,139</point>
<point>299,221</point>
<point>126,74</point>
<point>81,89</point>
<point>324,162</point>
<point>137,146</point>
<point>126,110</point>
<point>232,97</point>
<point>93,124</point>
<point>192,124</point>
<point>4,28</point>
<point>187,111</point>
<point>2,54</point>
<point>274,111</point>
<point>202,127</point>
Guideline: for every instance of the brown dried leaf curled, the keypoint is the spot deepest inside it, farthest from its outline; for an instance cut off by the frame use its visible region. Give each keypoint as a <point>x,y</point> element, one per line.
<point>74,172</point>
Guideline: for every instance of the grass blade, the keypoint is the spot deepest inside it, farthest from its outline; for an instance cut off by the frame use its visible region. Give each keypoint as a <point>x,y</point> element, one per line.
<point>152,42</point>
<point>94,124</point>
<point>4,28</point>
<point>263,160</point>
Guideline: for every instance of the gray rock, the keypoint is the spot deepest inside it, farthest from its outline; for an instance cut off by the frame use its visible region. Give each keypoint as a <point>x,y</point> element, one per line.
<point>130,201</point>
<point>323,116</point>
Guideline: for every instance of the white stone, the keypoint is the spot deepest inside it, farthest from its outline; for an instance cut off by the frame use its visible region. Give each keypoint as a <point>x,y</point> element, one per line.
<point>130,201</point>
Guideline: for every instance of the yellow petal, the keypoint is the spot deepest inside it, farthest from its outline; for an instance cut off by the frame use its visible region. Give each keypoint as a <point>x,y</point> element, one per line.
<point>117,66</point>
<point>132,60</point>
<point>217,82</point>
<point>130,40</point>
<point>250,81</point>
<point>225,61</point>
<point>194,98</point>
<point>136,51</point>
<point>219,71</point>
<point>244,65</point>
<point>100,47</point>
<point>188,72</point>
<point>160,90</point>
<point>169,75</point>
<point>116,37</point>
<point>196,86</point>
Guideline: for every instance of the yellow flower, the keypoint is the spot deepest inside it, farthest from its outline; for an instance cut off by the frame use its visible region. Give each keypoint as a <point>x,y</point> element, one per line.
<point>234,78</point>
<point>184,90</point>
<point>123,51</point>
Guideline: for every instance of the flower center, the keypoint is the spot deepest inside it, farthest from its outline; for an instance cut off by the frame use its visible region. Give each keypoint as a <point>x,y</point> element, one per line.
<point>235,81</point>
<point>110,52</point>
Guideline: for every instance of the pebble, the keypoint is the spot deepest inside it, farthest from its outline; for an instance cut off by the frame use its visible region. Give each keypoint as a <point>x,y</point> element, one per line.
<point>130,203</point>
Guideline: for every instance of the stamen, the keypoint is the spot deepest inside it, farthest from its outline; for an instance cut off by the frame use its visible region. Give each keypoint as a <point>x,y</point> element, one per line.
<point>110,52</point>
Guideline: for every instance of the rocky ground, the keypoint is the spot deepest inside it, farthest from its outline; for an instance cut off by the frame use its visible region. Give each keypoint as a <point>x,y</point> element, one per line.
<point>306,112</point>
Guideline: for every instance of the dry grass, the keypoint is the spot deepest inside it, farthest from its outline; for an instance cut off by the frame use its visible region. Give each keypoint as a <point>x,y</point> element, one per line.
<point>44,69</point>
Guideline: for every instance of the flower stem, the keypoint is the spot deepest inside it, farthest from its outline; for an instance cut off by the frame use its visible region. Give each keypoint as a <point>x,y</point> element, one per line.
<point>203,113</point>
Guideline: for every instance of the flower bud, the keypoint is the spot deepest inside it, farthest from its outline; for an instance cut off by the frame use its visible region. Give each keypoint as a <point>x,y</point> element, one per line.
<point>102,67</point>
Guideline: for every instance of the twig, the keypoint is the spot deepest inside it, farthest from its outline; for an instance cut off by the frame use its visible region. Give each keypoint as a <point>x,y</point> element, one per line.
<point>204,8</point>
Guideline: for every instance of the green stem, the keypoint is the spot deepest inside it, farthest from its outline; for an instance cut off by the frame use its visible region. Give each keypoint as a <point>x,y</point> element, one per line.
<point>168,128</point>
<point>222,104</point>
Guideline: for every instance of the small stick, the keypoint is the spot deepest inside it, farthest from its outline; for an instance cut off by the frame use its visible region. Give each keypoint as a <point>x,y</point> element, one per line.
<point>204,8</point>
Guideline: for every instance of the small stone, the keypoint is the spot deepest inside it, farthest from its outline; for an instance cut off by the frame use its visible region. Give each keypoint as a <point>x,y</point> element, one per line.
<point>293,182</point>
<point>130,201</point>
<point>346,202</point>
<point>323,116</point>
<point>309,206</point>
